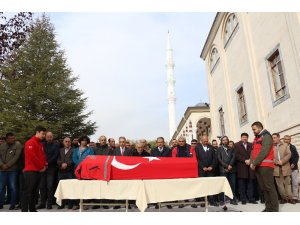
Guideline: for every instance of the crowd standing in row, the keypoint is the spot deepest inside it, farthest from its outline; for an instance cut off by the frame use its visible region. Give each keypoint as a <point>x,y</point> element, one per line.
<point>266,170</point>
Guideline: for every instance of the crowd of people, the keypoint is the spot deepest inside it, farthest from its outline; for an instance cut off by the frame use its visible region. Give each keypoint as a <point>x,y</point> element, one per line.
<point>265,170</point>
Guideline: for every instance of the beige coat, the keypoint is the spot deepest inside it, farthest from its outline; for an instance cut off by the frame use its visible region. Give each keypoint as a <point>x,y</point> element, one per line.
<point>285,155</point>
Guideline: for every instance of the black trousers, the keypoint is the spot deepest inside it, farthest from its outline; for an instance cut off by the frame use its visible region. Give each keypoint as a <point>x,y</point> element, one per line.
<point>266,183</point>
<point>246,189</point>
<point>30,191</point>
<point>47,188</point>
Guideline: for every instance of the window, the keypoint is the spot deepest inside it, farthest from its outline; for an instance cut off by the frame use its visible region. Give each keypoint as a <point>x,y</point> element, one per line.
<point>242,105</point>
<point>230,28</point>
<point>214,59</point>
<point>222,124</point>
<point>277,74</point>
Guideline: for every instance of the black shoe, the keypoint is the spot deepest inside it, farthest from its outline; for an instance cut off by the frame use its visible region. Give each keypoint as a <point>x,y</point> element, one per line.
<point>61,207</point>
<point>96,207</point>
<point>117,207</point>
<point>1,206</point>
<point>264,210</point>
<point>253,202</point>
<point>33,210</point>
<point>222,203</point>
<point>12,207</point>
<point>18,207</point>
<point>232,202</point>
<point>202,205</point>
<point>169,207</point>
<point>49,206</point>
<point>244,202</point>
<point>41,207</point>
<point>181,206</point>
<point>156,206</point>
<point>129,207</point>
<point>105,207</point>
<point>194,206</point>
<point>70,206</point>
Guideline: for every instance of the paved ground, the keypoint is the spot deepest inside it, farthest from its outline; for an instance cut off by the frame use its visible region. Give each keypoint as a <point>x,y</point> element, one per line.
<point>231,208</point>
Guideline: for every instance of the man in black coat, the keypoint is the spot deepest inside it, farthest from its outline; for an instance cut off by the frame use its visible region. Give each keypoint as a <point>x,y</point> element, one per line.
<point>294,166</point>
<point>49,177</point>
<point>102,147</point>
<point>161,150</point>
<point>206,158</point>
<point>245,175</point>
<point>140,151</point>
<point>65,167</point>
<point>227,167</point>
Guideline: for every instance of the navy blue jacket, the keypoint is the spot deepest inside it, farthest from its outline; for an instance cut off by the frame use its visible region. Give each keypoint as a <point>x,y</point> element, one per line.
<point>295,157</point>
<point>52,152</point>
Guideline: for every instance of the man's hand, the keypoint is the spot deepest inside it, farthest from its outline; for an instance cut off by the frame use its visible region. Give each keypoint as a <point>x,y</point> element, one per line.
<point>4,167</point>
<point>205,169</point>
<point>229,167</point>
<point>43,170</point>
<point>292,166</point>
<point>252,166</point>
<point>279,163</point>
<point>247,162</point>
<point>64,166</point>
<point>209,168</point>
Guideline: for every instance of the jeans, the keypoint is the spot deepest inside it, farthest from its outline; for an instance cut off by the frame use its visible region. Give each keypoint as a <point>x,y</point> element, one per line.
<point>8,178</point>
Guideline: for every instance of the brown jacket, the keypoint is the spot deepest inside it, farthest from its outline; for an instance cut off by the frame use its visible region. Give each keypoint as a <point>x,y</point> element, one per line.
<point>285,155</point>
<point>9,155</point>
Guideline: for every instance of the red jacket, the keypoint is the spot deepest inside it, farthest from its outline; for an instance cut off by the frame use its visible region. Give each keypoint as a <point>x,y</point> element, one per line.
<point>35,158</point>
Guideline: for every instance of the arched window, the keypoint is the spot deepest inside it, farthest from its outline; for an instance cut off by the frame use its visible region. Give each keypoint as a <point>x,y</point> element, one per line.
<point>230,28</point>
<point>214,58</point>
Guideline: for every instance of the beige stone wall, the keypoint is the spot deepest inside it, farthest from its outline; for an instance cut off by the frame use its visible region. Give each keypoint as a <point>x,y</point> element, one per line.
<point>243,62</point>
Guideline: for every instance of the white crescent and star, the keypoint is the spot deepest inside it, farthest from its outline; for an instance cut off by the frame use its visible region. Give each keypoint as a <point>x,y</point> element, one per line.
<point>123,166</point>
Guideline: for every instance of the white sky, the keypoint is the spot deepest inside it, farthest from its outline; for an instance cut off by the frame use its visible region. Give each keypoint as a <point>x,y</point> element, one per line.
<point>120,60</point>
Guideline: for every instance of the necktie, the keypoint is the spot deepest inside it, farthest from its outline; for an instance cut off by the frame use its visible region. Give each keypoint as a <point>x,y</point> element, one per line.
<point>122,151</point>
<point>245,146</point>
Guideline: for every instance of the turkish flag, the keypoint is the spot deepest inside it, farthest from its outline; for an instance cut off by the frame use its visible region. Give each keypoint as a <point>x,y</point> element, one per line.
<point>128,168</point>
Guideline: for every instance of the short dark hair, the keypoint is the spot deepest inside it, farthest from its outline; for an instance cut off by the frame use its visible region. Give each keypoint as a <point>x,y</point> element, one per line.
<point>244,134</point>
<point>160,138</point>
<point>214,140</point>
<point>257,124</point>
<point>9,134</point>
<point>84,137</point>
<point>39,129</point>
<point>276,134</point>
<point>194,140</point>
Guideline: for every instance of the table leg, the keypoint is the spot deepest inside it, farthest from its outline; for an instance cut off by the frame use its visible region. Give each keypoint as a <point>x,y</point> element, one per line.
<point>206,204</point>
<point>126,205</point>
<point>80,205</point>
<point>159,206</point>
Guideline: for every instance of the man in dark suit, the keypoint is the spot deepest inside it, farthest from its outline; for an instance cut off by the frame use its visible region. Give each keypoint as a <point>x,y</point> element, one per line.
<point>206,158</point>
<point>65,167</point>
<point>245,175</point>
<point>161,150</point>
<point>122,151</point>
<point>102,147</point>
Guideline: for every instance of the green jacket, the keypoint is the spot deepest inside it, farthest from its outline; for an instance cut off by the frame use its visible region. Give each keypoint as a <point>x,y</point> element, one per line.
<point>9,155</point>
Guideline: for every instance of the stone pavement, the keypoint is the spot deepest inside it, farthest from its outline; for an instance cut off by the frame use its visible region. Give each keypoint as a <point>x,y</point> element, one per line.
<point>230,208</point>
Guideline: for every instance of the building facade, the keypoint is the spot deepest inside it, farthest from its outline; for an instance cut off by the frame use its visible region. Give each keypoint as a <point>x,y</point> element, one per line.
<point>194,123</point>
<point>253,72</point>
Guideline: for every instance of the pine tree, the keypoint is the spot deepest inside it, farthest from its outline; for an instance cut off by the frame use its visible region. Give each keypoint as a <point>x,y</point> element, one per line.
<point>38,89</point>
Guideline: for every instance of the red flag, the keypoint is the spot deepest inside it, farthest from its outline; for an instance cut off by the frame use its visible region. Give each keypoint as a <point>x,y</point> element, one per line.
<point>126,168</point>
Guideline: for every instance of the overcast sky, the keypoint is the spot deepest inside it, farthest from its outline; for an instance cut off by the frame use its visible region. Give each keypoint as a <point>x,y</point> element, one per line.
<point>120,60</point>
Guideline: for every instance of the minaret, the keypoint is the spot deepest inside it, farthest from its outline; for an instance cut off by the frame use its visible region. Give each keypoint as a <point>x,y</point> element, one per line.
<point>171,88</point>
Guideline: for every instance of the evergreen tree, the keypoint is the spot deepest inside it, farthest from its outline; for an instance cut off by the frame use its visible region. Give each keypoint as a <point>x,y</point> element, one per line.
<point>38,89</point>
